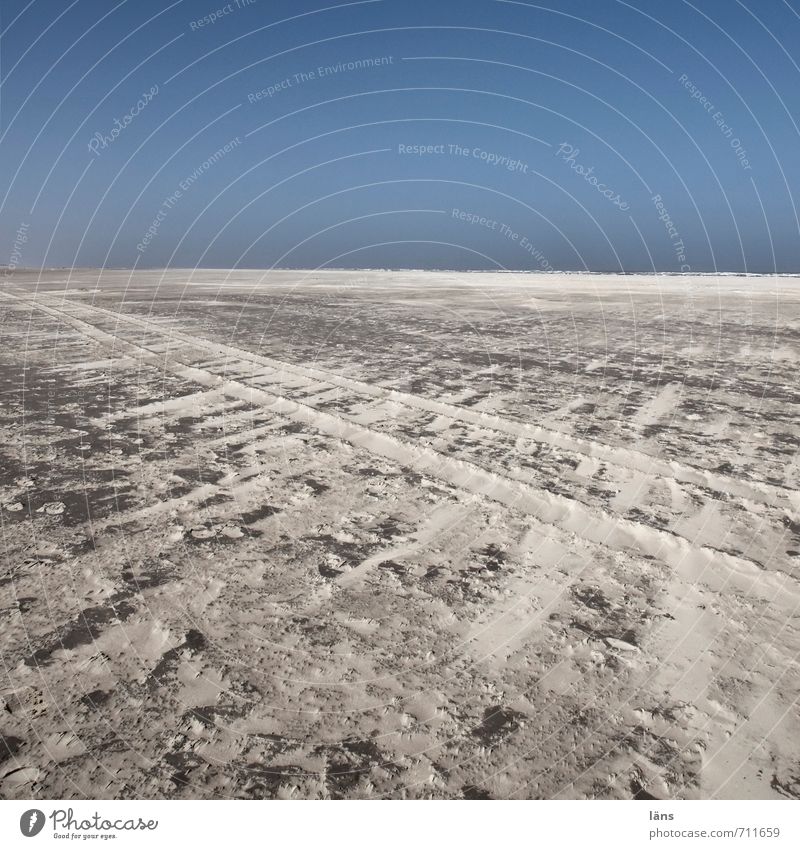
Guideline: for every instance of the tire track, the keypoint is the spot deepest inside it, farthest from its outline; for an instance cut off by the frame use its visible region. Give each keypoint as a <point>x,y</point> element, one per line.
<point>599,527</point>
<point>622,458</point>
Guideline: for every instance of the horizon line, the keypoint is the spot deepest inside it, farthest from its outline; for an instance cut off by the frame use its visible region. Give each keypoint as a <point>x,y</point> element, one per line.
<point>363,269</point>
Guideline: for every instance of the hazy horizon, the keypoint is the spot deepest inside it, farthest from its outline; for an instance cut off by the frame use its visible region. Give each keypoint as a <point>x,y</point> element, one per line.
<point>443,270</point>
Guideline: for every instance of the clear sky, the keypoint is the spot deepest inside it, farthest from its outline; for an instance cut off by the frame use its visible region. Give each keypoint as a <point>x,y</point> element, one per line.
<point>601,135</point>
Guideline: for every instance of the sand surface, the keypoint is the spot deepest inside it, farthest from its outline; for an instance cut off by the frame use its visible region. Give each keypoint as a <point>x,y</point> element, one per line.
<point>399,535</point>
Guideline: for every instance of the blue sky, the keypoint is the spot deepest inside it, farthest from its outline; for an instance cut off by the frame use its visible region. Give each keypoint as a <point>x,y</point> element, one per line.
<point>608,135</point>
